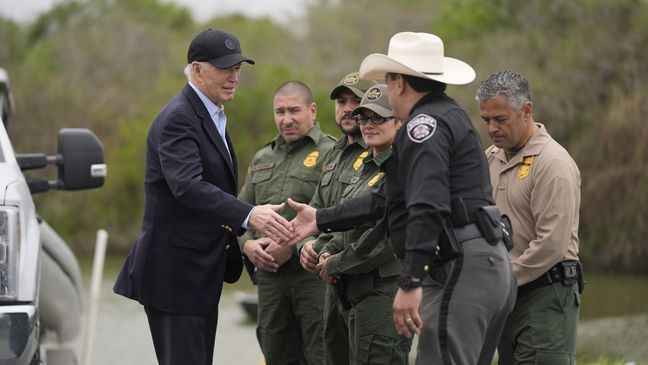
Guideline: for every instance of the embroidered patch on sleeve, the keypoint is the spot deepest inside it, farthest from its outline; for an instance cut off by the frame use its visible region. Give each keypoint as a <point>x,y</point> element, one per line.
<point>421,128</point>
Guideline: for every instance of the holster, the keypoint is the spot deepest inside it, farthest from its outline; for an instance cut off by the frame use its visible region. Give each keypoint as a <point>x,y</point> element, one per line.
<point>581,278</point>
<point>572,273</point>
<point>340,288</point>
<point>488,221</point>
<point>448,246</point>
<point>507,231</point>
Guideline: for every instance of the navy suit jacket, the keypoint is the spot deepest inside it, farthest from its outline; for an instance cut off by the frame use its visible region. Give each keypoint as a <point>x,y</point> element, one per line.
<point>191,214</point>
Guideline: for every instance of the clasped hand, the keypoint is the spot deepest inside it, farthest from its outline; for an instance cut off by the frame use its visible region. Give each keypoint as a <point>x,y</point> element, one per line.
<point>266,219</point>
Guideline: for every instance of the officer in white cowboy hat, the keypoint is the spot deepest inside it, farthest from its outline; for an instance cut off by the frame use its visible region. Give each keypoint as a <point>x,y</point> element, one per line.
<point>441,189</point>
<point>456,287</point>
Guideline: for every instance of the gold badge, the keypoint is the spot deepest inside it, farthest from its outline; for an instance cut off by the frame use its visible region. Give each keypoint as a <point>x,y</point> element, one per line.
<point>523,171</point>
<point>358,162</point>
<point>528,160</point>
<point>525,167</point>
<point>351,79</point>
<point>376,178</point>
<point>311,159</point>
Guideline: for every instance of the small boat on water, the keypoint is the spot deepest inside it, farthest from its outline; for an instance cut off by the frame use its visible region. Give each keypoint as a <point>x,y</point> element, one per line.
<point>249,302</point>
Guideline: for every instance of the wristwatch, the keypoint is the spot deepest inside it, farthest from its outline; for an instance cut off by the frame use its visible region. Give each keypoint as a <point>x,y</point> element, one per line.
<point>407,283</point>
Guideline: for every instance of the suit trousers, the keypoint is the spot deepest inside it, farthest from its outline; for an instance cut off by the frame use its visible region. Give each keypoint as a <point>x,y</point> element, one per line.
<point>182,339</point>
<point>465,305</point>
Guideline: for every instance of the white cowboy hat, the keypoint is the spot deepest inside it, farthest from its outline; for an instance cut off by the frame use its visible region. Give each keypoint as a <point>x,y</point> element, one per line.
<point>420,55</point>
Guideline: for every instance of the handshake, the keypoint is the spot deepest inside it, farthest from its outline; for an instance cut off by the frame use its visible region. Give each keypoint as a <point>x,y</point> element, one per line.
<point>269,252</point>
<point>265,219</point>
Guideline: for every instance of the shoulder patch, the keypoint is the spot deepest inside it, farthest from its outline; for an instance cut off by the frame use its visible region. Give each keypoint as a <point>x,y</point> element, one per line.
<point>421,128</point>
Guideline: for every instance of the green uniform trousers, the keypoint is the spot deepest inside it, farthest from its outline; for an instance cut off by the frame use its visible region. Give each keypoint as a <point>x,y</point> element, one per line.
<point>372,333</point>
<point>290,316</point>
<point>542,327</point>
<point>336,341</point>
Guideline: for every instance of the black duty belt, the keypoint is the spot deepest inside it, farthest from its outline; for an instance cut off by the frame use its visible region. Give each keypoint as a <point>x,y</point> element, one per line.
<point>554,275</point>
<point>467,232</point>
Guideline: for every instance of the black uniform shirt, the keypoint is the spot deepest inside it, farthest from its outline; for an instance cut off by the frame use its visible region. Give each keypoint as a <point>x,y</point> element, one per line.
<point>437,158</point>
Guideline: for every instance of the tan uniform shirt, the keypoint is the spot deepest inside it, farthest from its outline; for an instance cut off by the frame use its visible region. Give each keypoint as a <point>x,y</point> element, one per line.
<point>539,189</point>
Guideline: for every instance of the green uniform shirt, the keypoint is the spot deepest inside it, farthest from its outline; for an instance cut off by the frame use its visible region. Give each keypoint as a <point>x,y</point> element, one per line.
<point>281,170</point>
<point>352,254</point>
<point>340,166</point>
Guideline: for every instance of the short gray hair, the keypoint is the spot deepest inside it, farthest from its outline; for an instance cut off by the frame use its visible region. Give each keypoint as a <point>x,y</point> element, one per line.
<point>187,69</point>
<point>509,84</point>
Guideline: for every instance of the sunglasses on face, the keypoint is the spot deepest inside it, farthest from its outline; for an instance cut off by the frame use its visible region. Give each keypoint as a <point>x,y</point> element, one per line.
<point>375,119</point>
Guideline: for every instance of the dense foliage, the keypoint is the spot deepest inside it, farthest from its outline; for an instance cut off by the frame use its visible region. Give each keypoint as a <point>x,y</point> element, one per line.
<point>110,65</point>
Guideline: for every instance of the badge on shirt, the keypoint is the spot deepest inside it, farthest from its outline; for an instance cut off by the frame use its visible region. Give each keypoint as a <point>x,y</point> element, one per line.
<point>311,159</point>
<point>421,128</point>
<point>376,178</point>
<point>525,167</point>
<point>358,162</point>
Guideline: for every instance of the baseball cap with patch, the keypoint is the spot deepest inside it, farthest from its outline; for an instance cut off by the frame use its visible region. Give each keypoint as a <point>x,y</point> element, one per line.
<point>352,82</point>
<point>375,99</point>
<point>217,47</point>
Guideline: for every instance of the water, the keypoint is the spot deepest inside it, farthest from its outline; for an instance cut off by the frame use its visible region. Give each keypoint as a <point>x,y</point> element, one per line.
<point>613,323</point>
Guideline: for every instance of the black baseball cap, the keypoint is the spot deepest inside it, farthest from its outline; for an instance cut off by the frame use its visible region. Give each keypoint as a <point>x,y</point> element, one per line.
<point>217,47</point>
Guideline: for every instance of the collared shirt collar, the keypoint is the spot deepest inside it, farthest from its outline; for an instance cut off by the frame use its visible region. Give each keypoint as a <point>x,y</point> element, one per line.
<point>532,148</point>
<point>343,142</point>
<point>211,107</point>
<point>426,98</point>
<point>217,113</point>
<point>314,134</point>
<point>377,160</point>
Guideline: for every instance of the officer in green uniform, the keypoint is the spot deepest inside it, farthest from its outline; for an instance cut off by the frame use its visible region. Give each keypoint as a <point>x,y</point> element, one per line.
<point>339,167</point>
<point>362,265</point>
<point>290,298</point>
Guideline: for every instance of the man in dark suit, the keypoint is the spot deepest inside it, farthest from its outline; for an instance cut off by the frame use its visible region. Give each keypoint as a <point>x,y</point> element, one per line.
<point>187,245</point>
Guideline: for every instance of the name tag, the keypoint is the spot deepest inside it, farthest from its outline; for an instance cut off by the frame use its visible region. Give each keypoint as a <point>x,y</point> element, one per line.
<point>329,167</point>
<point>262,166</point>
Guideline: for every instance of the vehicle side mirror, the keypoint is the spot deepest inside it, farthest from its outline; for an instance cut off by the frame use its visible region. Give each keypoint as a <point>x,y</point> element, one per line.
<point>82,165</point>
<point>80,162</point>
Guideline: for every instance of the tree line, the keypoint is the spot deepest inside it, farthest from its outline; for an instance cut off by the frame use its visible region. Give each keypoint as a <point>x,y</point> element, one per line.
<point>111,65</point>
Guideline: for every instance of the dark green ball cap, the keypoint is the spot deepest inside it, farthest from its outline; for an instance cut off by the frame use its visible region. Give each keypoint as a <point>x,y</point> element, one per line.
<point>352,82</point>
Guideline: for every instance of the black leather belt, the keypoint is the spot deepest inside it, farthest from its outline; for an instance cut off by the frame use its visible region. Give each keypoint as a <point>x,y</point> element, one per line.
<point>552,276</point>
